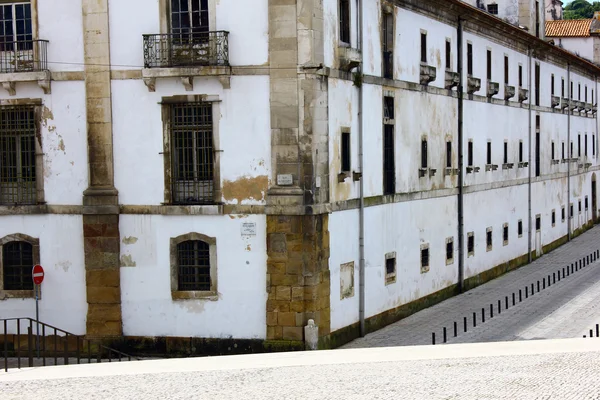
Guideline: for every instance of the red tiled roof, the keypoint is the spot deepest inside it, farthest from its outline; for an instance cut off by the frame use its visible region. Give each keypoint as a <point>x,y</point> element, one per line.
<point>568,28</point>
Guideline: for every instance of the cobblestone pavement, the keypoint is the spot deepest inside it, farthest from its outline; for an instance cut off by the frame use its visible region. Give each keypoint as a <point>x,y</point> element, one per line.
<point>549,369</point>
<point>566,309</point>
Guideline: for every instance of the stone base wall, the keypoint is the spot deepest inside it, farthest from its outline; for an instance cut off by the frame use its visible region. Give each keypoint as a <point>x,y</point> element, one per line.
<point>298,279</point>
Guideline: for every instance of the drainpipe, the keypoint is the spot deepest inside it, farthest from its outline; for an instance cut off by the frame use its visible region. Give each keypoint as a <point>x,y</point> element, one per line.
<point>529,51</point>
<point>361,209</point>
<point>569,94</point>
<point>461,239</point>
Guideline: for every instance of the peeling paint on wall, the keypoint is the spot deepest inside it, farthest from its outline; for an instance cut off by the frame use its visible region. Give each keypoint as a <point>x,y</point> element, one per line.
<point>127,261</point>
<point>246,188</point>
<point>130,240</point>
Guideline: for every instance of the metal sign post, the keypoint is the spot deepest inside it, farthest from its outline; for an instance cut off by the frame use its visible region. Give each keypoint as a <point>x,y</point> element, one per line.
<point>38,277</point>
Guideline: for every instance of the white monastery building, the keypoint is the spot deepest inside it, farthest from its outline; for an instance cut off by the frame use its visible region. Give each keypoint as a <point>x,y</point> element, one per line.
<point>207,175</point>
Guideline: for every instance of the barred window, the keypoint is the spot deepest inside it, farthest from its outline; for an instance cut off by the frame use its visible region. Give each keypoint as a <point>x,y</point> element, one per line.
<point>17,155</point>
<point>17,263</point>
<point>192,153</point>
<point>193,266</point>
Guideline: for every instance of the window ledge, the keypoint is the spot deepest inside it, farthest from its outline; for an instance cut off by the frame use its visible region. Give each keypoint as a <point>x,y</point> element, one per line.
<point>186,74</point>
<point>180,209</point>
<point>195,295</point>
<point>18,294</point>
<point>9,80</point>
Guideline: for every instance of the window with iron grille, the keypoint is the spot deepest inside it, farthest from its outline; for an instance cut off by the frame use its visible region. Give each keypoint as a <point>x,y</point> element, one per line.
<point>489,65</point>
<point>493,9</point>
<point>470,243</point>
<point>192,153</point>
<point>520,75</point>
<point>390,268</point>
<point>193,266</point>
<point>17,155</point>
<point>344,21</point>
<point>552,84</point>
<point>17,263</point>
<point>388,45</point>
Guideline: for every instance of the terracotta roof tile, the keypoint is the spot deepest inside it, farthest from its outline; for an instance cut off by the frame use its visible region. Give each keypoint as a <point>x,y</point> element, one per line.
<point>569,27</point>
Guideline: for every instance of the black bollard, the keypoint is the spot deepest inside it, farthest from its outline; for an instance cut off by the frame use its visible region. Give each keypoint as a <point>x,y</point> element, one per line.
<point>526,292</point>
<point>532,289</point>
<point>538,286</point>
<point>597,330</point>
<point>455,329</point>
<point>554,277</point>
<point>432,337</point>
<point>506,303</point>
<point>444,334</point>
<point>513,296</point>
<point>474,320</point>
<point>465,322</point>
<point>520,296</point>
<point>491,311</point>
<point>499,305</point>
<point>482,315</point>
<point>543,283</point>
<point>591,333</point>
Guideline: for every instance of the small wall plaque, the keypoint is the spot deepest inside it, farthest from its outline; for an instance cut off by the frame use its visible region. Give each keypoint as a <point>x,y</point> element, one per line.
<point>248,228</point>
<point>285,180</point>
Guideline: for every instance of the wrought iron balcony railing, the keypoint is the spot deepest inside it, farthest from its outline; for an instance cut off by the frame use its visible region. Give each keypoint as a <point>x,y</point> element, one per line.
<point>186,50</point>
<point>24,56</point>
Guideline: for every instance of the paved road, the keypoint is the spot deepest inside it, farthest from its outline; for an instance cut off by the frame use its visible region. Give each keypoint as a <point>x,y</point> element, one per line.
<point>566,309</point>
<point>550,369</point>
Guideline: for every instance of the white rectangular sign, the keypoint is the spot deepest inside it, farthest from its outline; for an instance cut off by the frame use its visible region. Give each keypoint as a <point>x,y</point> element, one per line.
<point>248,228</point>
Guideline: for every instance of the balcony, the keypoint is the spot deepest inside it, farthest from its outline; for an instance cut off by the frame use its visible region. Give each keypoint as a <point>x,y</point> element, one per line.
<point>473,84</point>
<point>452,80</point>
<point>509,92</point>
<point>554,101</point>
<point>523,95</point>
<point>492,89</point>
<point>24,61</point>
<point>185,56</point>
<point>427,74</point>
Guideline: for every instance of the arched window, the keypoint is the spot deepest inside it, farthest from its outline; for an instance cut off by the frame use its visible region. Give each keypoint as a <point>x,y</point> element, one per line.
<point>17,263</point>
<point>193,266</point>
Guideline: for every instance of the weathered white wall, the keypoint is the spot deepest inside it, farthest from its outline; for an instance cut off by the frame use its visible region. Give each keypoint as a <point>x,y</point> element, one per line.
<point>243,125</point>
<point>147,307</point>
<point>61,23</point>
<point>129,20</point>
<point>508,10</point>
<point>583,47</point>
<point>63,302</point>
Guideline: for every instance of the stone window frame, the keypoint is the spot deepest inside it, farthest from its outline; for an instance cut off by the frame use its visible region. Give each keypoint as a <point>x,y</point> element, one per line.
<point>35,243</point>
<point>470,253</point>
<point>563,214</point>
<point>390,277</point>
<point>177,294</point>
<point>553,217</point>
<point>538,217</point>
<point>586,204</point>
<point>507,231</point>
<point>37,105</point>
<point>520,228</point>
<point>167,161</point>
<point>489,231</point>
<point>449,240</point>
<point>165,15</point>
<point>425,268</point>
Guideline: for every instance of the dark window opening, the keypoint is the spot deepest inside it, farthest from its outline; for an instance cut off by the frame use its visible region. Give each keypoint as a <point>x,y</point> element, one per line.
<point>506,70</point>
<point>579,91</point>
<point>389,169</point>
<point>593,145</point>
<point>388,46</point>
<point>579,204</point>
<point>470,244</point>
<point>469,59</point>
<point>193,266</point>
<point>489,153</point>
<point>537,122</point>
<point>448,55</point>
<point>538,161</point>
<point>552,85</point>
<point>586,93</point>
<point>344,21</point>
<point>553,217</point>
<point>505,233</point>
<point>537,84</point>
<point>388,107</point>
<point>16,31</point>
<point>562,87</point>
<point>449,251</point>
<point>585,153</point>
<point>345,151</point>
<point>505,152</point>
<point>489,65</point>
<point>390,266</point>
<point>470,154</point>
<point>537,19</point>
<point>424,258</point>
<point>423,153</point>
<point>192,153</point>
<point>552,150</point>
<point>17,262</point>
<point>488,239</point>
<point>520,228</point>
<point>562,214</point>
<point>520,76</point>
<point>586,203</point>
<point>538,223</point>
<point>493,9</point>
<point>423,47</point>
<point>578,145</point>
<point>520,151</point>
<point>448,154</point>
<point>571,155</point>
<point>189,21</point>
<point>571,94</point>
<point>571,211</point>
<point>563,151</point>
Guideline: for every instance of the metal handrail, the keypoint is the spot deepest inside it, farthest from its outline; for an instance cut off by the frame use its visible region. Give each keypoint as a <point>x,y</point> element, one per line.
<point>94,349</point>
<point>186,49</point>
<point>24,56</point>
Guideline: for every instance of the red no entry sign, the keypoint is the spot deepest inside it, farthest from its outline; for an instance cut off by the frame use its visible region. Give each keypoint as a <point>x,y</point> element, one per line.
<point>38,274</point>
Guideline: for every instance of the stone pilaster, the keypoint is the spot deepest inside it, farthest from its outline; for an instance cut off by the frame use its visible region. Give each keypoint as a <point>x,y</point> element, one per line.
<point>298,279</point>
<point>100,200</point>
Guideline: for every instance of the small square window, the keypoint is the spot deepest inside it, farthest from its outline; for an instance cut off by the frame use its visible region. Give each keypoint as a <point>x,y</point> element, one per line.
<point>520,228</point>
<point>553,218</point>
<point>390,268</point>
<point>470,244</point>
<point>505,234</point>
<point>538,222</point>
<point>424,258</point>
<point>449,251</point>
<point>493,9</point>
<point>488,239</point>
